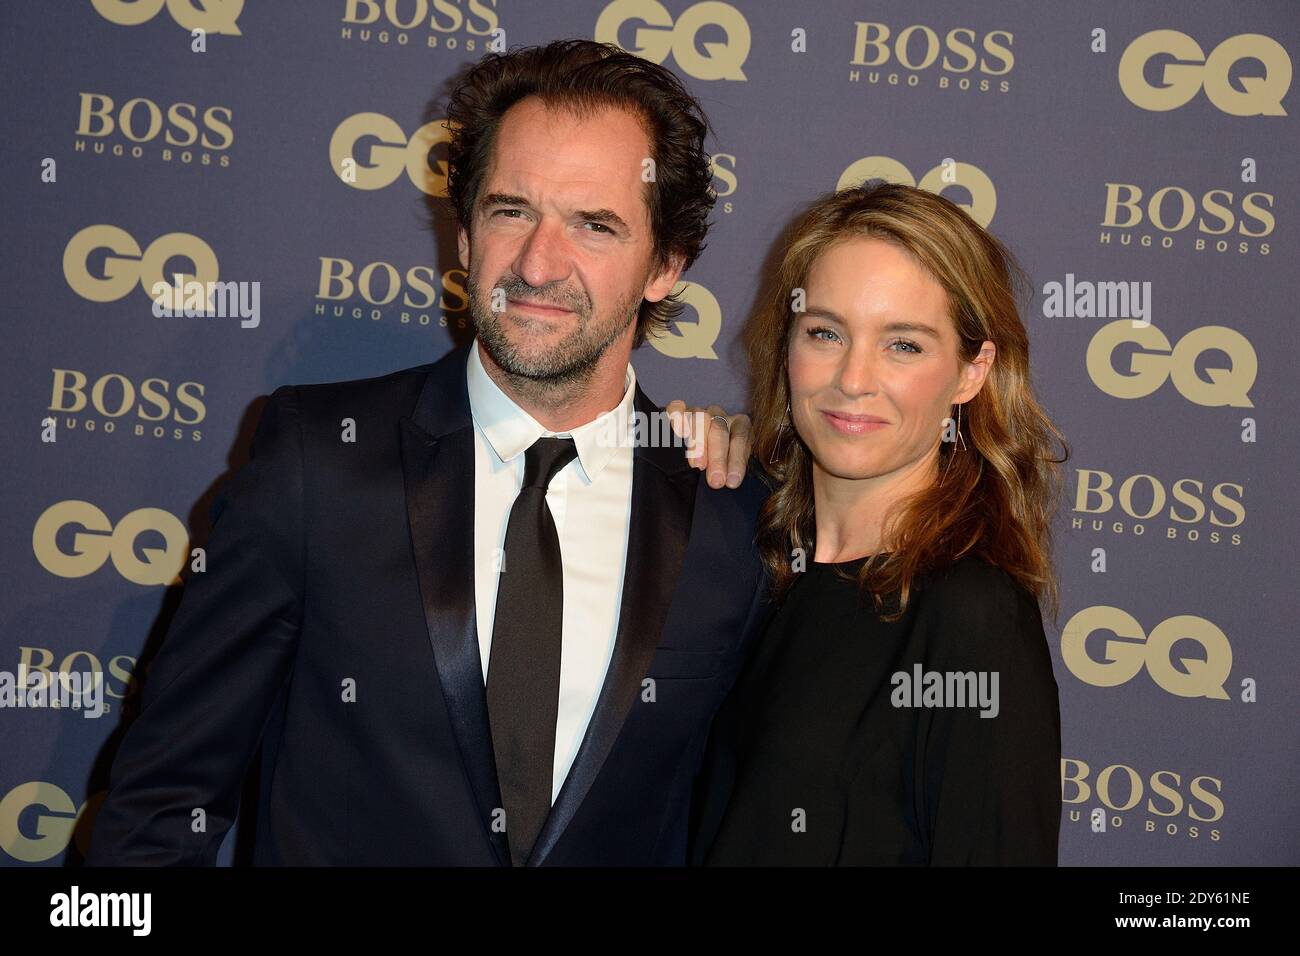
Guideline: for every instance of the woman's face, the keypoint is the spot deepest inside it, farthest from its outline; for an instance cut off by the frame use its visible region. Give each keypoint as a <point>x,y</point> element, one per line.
<point>873,366</point>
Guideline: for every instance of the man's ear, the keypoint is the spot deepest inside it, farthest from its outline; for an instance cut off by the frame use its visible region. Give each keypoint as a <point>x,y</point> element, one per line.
<point>974,373</point>
<point>462,247</point>
<point>661,283</point>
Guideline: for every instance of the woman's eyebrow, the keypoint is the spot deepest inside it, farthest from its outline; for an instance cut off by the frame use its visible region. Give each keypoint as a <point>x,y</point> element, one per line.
<point>824,314</point>
<point>920,327</point>
<point>900,326</point>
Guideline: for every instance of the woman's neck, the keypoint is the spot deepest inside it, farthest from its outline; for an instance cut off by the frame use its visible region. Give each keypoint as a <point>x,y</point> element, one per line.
<point>850,512</point>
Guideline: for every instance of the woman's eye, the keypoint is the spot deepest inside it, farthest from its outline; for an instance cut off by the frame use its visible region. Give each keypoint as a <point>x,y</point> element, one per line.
<point>817,331</point>
<point>909,346</point>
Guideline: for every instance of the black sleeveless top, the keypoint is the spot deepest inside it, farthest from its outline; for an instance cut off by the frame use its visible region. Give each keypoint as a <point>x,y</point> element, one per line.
<point>810,760</point>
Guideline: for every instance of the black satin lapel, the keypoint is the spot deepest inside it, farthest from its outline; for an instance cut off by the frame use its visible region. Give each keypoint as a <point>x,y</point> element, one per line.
<point>663,500</point>
<point>439,475</point>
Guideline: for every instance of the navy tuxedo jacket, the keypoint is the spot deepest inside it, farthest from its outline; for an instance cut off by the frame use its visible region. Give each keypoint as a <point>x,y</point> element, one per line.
<point>334,626</point>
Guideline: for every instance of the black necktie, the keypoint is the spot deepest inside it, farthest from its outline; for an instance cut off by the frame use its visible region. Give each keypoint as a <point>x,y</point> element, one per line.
<point>523,681</point>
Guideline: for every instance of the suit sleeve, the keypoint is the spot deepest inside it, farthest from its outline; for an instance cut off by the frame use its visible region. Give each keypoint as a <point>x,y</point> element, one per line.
<point>992,784</point>
<point>213,683</point>
<point>715,773</point>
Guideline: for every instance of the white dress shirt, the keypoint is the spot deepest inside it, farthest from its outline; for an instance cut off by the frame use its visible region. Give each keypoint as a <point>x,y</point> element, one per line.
<point>591,501</point>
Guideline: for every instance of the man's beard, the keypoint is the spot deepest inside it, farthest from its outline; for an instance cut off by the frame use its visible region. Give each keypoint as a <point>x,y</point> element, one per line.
<point>572,360</point>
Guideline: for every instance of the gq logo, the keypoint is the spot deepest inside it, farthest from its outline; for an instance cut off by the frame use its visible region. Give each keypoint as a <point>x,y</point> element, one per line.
<point>696,338</point>
<point>129,266</point>
<point>392,153</point>
<point>210,16</point>
<point>51,828</point>
<point>1124,658</point>
<point>97,540</point>
<point>984,197</point>
<point>1148,369</point>
<point>659,36</point>
<point>1191,70</point>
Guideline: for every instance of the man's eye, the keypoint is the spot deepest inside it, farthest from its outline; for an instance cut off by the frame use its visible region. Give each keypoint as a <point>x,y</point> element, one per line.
<point>501,212</point>
<point>598,225</point>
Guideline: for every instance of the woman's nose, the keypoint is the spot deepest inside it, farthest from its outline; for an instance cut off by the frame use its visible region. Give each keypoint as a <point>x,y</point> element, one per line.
<point>858,374</point>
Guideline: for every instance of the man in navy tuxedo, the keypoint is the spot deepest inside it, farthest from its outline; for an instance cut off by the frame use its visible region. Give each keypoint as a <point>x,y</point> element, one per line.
<point>480,632</point>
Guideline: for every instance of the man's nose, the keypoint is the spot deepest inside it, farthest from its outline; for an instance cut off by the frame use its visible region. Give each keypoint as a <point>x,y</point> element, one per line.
<point>545,255</point>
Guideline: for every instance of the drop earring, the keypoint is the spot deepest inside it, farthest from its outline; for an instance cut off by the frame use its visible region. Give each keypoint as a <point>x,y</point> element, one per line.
<point>772,459</point>
<point>960,439</point>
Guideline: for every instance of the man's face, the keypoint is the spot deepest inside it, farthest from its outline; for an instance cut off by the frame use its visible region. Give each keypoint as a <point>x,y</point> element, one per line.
<point>562,245</point>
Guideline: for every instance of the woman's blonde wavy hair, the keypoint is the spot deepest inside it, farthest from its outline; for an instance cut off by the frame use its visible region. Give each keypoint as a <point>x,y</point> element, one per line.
<point>999,492</point>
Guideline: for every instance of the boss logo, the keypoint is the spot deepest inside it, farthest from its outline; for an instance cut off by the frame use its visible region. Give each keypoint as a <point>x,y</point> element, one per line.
<point>141,120</point>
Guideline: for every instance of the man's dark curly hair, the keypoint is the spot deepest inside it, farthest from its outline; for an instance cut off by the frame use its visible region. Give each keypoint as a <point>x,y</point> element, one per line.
<point>585,76</point>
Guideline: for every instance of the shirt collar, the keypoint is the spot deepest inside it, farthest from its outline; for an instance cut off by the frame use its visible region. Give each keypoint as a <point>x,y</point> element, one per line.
<point>511,431</point>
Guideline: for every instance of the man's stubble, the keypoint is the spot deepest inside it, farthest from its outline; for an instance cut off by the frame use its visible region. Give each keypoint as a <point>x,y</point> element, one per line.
<point>566,368</point>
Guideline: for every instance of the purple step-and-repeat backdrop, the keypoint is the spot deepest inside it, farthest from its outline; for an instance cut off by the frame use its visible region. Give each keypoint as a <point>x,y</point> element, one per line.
<point>1139,159</point>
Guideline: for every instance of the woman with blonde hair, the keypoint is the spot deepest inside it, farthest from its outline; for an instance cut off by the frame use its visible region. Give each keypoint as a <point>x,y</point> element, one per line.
<point>900,707</point>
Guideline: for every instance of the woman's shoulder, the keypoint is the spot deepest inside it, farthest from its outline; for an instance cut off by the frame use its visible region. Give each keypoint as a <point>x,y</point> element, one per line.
<point>971,572</point>
<point>972,576</point>
<point>972,604</point>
